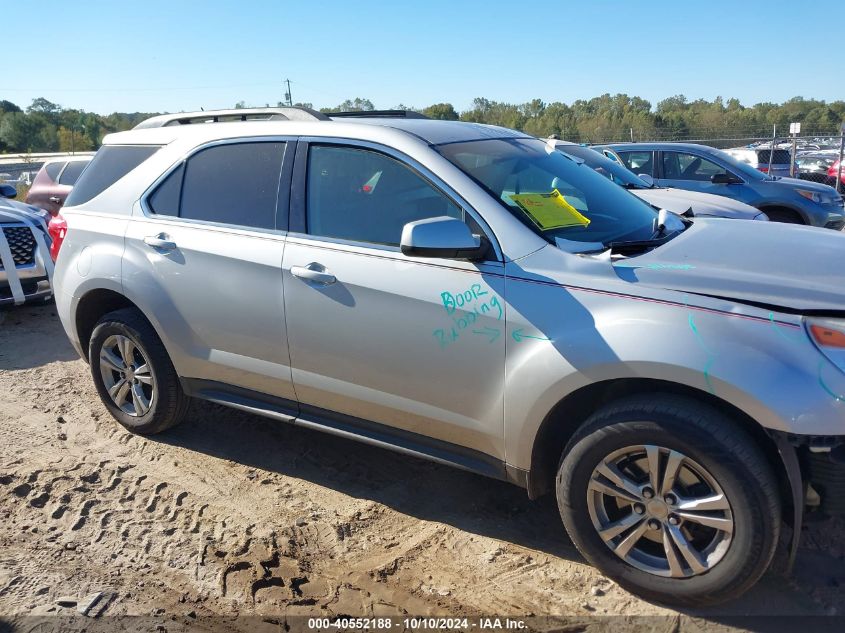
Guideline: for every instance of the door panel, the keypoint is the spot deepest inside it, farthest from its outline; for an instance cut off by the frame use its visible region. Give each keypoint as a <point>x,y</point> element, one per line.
<point>408,343</point>
<point>217,296</point>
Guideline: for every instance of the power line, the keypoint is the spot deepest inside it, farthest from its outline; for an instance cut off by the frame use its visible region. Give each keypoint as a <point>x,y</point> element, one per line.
<point>145,89</point>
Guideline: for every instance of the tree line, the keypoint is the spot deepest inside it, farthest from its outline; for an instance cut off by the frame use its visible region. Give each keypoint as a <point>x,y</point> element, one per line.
<point>45,126</point>
<point>48,127</point>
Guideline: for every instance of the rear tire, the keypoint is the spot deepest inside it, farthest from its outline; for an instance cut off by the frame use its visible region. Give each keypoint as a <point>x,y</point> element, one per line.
<point>673,557</point>
<point>134,375</point>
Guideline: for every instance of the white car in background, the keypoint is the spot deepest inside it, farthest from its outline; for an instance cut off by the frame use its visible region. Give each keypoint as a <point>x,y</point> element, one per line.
<point>678,201</point>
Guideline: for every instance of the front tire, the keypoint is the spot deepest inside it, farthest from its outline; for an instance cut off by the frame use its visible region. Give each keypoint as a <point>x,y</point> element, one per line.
<point>671,499</point>
<point>134,375</point>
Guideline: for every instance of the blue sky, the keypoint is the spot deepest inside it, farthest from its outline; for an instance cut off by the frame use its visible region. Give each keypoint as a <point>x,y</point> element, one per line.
<point>156,55</point>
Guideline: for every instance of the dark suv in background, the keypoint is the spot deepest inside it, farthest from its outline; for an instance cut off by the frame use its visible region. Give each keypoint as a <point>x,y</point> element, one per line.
<point>709,170</point>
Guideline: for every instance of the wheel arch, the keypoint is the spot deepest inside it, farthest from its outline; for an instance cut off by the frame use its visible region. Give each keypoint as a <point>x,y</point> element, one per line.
<point>766,207</point>
<point>571,412</point>
<point>93,305</point>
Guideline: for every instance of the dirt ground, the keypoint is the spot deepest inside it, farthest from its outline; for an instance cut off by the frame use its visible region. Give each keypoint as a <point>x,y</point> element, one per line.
<point>232,514</point>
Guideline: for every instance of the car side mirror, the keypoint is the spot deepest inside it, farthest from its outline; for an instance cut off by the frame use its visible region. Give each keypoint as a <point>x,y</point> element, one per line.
<point>8,191</point>
<point>724,179</point>
<point>646,179</point>
<point>441,237</point>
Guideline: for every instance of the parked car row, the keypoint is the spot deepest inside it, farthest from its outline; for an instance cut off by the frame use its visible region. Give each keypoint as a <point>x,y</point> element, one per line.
<point>678,201</point>
<point>814,158</point>
<point>708,170</point>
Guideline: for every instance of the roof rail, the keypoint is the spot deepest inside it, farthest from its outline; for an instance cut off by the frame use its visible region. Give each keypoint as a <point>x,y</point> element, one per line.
<point>395,114</point>
<point>289,113</point>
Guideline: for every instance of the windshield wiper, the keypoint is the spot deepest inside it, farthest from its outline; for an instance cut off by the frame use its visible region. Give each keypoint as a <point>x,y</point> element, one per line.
<point>638,246</point>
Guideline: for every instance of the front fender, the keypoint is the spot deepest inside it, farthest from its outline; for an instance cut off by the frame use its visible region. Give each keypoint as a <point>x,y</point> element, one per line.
<point>763,365</point>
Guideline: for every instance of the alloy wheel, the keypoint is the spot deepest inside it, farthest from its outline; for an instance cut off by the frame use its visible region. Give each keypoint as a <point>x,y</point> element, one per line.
<point>126,375</point>
<point>660,511</point>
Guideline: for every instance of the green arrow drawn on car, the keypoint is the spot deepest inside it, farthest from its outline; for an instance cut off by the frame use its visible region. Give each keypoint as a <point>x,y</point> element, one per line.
<point>493,333</point>
<point>518,336</point>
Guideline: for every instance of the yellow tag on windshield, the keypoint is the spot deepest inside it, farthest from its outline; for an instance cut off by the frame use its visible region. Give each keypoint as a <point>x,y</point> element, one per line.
<point>549,210</point>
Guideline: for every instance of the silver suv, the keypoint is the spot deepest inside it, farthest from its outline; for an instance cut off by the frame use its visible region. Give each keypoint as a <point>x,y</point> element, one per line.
<point>467,294</point>
<point>25,262</point>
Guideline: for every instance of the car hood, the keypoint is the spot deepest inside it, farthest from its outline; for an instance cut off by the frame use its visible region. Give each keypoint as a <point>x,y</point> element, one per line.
<point>806,185</point>
<point>788,267</point>
<point>679,200</point>
<point>10,211</point>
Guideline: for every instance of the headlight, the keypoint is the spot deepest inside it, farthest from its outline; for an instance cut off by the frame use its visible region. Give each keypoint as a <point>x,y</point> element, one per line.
<point>829,337</point>
<point>820,198</point>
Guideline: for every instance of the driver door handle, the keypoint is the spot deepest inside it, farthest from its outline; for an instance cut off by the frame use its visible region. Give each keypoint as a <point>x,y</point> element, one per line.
<point>313,272</point>
<point>160,242</point>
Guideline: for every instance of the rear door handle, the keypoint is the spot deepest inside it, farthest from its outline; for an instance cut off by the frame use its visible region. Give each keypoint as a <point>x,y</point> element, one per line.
<point>160,242</point>
<point>313,272</point>
<point>55,199</point>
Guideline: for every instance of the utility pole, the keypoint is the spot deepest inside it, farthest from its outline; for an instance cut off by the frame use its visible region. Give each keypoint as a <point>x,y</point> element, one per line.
<point>794,130</point>
<point>288,97</point>
<point>772,148</point>
<point>841,152</point>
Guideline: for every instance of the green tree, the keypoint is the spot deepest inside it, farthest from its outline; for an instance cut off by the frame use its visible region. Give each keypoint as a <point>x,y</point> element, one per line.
<point>73,140</point>
<point>352,105</point>
<point>441,111</point>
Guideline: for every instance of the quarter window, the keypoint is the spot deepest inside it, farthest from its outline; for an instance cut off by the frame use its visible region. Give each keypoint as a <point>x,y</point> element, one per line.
<point>682,166</point>
<point>110,164</point>
<point>53,170</point>
<point>71,173</point>
<point>235,184</point>
<point>364,196</point>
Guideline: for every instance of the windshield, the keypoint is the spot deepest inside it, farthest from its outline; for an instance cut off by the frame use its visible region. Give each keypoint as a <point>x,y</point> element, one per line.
<point>617,172</point>
<point>557,196</point>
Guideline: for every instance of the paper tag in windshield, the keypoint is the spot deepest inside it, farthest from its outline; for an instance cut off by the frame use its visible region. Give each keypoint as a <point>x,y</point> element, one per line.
<point>549,210</point>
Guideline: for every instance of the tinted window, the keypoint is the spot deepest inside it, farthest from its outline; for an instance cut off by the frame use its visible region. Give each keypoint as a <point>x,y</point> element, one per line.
<point>682,166</point>
<point>779,156</point>
<point>165,199</point>
<point>71,173</point>
<point>110,164</point>
<point>365,196</point>
<point>233,184</point>
<point>53,170</point>
<point>638,162</point>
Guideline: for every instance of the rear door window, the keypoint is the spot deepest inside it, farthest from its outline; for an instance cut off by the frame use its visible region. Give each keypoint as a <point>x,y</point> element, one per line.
<point>638,162</point>
<point>236,184</point>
